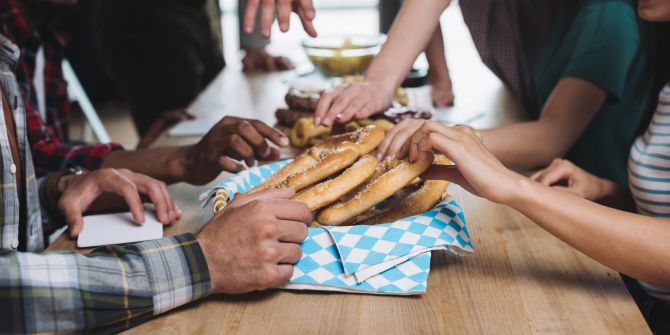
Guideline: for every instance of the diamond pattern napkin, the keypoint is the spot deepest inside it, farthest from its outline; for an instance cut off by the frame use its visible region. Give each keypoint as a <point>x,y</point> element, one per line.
<point>391,258</point>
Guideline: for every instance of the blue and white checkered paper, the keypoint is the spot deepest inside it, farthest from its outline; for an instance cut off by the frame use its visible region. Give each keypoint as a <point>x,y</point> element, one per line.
<point>391,258</point>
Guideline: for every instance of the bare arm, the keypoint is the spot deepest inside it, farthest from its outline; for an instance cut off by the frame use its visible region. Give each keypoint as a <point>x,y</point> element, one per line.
<point>568,111</point>
<point>411,31</point>
<point>630,243</point>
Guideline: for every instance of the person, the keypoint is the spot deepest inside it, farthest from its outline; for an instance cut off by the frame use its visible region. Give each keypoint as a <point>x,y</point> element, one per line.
<point>250,245</point>
<point>559,197</point>
<point>442,93</point>
<point>135,49</point>
<point>580,74</point>
<point>231,139</point>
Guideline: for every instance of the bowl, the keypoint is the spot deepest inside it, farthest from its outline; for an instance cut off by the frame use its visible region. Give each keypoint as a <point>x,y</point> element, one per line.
<point>337,56</point>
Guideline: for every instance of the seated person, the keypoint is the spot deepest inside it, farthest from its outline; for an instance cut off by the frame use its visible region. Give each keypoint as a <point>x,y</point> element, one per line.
<point>231,139</point>
<point>116,287</point>
<point>585,86</point>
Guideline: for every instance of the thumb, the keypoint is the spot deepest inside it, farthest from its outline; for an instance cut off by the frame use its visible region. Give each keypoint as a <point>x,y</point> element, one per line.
<point>270,193</point>
<point>73,217</point>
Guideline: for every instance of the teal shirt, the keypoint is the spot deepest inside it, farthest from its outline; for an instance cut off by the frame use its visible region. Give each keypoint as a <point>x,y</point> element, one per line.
<point>603,47</point>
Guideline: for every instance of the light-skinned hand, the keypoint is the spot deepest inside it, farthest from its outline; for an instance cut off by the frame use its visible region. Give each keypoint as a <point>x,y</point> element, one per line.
<point>356,101</point>
<point>282,9</point>
<point>563,175</point>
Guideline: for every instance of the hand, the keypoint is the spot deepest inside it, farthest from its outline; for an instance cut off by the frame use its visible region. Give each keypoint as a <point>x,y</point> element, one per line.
<point>261,60</point>
<point>476,169</point>
<point>253,243</point>
<point>442,91</point>
<point>165,121</point>
<point>351,102</point>
<point>79,192</point>
<point>564,175</point>
<point>304,9</point>
<point>396,141</point>
<point>231,139</point>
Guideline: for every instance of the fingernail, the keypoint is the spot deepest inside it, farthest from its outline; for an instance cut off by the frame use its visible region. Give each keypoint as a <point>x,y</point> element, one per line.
<point>179,211</point>
<point>317,121</point>
<point>284,27</point>
<point>283,141</point>
<point>266,32</point>
<point>310,14</point>
<point>379,157</point>
<point>266,152</point>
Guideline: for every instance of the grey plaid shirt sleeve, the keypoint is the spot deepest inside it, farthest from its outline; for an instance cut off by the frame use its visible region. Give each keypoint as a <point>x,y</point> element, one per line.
<point>109,290</point>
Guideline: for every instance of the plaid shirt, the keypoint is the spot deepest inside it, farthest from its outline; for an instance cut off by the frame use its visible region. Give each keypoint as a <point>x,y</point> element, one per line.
<point>48,141</point>
<point>109,290</point>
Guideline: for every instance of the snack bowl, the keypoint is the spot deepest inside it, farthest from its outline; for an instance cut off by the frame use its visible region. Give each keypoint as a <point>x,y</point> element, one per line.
<point>337,56</point>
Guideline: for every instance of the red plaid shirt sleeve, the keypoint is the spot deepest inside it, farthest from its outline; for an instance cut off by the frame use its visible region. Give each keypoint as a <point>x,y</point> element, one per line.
<point>51,154</point>
<point>49,141</point>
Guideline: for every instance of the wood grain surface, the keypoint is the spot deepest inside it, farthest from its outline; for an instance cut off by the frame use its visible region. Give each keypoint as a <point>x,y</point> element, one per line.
<point>521,280</point>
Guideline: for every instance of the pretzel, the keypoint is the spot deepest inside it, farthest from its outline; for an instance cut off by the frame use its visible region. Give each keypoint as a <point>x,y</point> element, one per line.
<point>329,191</point>
<point>319,158</point>
<point>398,175</point>
<point>304,132</point>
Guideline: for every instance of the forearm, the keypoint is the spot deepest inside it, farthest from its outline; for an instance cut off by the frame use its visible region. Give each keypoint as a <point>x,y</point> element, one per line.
<point>110,290</point>
<point>526,145</point>
<point>633,244</point>
<point>436,55</point>
<point>166,164</point>
<point>413,27</point>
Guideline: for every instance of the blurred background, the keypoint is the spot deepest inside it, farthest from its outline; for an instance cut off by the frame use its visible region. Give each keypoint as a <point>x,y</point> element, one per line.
<point>472,80</point>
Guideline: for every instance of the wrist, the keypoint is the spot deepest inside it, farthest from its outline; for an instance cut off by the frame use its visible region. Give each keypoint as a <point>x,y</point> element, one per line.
<point>180,162</point>
<point>211,267</point>
<point>522,191</point>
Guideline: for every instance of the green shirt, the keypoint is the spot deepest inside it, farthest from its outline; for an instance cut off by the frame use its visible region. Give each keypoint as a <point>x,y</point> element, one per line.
<point>603,47</point>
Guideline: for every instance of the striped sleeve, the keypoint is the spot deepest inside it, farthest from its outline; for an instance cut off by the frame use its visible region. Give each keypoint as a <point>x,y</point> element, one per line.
<point>109,290</point>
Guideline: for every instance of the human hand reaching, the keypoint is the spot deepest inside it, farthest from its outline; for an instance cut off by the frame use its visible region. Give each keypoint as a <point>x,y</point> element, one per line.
<point>253,242</point>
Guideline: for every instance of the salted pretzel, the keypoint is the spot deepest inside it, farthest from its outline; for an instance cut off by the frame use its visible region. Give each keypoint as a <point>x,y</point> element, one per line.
<point>396,175</point>
<point>304,131</point>
<point>331,190</point>
<point>319,162</point>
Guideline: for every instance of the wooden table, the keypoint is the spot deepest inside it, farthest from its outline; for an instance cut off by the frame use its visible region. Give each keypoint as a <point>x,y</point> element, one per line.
<point>520,280</point>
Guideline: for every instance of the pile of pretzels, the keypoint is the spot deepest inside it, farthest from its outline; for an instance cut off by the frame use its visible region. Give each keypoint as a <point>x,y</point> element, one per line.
<point>342,183</point>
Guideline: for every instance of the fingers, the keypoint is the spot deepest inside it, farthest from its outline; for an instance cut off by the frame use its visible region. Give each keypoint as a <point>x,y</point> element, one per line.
<point>292,210</point>
<point>250,16</point>
<point>557,172</point>
<point>240,149</point>
<point>306,18</point>
<point>278,194</point>
<point>267,16</point>
<point>289,253</point>
<point>229,165</point>
<point>284,274</point>
<point>325,101</point>
<point>129,192</point>
<point>273,134</point>
<point>284,14</point>
<point>334,113</point>
<point>166,212</point>
<point>270,65</point>
<point>284,63</point>
<point>72,211</point>
<point>252,136</point>
<point>292,231</point>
